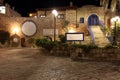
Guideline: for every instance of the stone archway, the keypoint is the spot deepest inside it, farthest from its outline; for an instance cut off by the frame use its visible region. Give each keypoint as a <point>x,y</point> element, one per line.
<point>15,40</point>
<point>93,20</point>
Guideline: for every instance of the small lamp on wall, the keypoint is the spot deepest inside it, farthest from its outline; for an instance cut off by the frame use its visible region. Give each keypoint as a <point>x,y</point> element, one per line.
<point>15,30</point>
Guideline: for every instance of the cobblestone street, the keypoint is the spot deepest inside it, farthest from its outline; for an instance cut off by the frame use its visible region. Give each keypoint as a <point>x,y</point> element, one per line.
<point>30,64</point>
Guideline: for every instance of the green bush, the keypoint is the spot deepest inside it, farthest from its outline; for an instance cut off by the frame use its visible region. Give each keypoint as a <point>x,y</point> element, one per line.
<point>4,36</point>
<point>62,38</point>
<point>45,43</point>
<point>86,48</point>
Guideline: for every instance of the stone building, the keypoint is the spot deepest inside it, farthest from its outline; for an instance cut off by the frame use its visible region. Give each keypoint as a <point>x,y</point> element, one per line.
<point>6,10</point>
<point>1,2</point>
<point>11,12</point>
<point>88,19</point>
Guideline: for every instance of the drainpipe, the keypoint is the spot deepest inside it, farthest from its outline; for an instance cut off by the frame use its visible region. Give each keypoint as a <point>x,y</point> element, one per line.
<point>76,19</point>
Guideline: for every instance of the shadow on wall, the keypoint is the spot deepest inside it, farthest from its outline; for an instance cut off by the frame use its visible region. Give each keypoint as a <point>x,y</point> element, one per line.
<point>4,38</point>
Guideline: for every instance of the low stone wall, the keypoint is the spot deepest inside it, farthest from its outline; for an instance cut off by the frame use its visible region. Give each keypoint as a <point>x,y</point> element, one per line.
<point>96,54</point>
<point>60,51</point>
<point>90,54</point>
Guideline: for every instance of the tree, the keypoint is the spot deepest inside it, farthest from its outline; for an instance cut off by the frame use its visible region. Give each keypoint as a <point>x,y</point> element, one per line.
<point>65,26</point>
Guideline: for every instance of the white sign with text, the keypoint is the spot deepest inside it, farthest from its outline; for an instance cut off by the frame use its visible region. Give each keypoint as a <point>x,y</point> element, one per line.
<point>47,32</point>
<point>75,36</point>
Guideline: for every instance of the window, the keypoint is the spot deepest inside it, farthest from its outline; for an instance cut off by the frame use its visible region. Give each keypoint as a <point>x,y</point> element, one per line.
<point>60,16</point>
<point>81,20</point>
<point>42,15</point>
<point>2,9</point>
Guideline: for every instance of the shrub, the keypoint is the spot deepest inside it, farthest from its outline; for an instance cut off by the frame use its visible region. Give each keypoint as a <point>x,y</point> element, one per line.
<point>48,37</point>
<point>86,48</point>
<point>4,36</point>
<point>62,38</point>
<point>45,43</point>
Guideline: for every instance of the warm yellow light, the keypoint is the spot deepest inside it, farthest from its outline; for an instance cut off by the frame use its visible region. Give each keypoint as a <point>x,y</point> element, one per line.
<point>15,30</point>
<point>112,27</point>
<point>30,15</point>
<point>71,31</point>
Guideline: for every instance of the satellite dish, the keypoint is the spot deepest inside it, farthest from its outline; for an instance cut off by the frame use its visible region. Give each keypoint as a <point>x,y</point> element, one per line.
<point>29,28</point>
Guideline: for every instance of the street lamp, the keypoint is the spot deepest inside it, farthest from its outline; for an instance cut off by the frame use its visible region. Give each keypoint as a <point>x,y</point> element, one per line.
<point>55,13</point>
<point>115,19</point>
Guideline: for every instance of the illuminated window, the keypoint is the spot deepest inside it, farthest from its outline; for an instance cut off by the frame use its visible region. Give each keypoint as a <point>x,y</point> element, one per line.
<point>42,15</point>
<point>2,9</point>
<point>60,16</point>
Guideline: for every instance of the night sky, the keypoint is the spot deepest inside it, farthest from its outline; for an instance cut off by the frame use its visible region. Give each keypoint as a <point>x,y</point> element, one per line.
<point>26,6</point>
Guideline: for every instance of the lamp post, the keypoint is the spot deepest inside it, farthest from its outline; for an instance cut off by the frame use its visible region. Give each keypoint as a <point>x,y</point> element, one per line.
<point>114,37</point>
<point>55,13</point>
<point>115,19</point>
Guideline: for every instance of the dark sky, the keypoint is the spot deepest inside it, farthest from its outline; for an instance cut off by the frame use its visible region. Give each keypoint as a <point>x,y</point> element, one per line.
<point>26,6</point>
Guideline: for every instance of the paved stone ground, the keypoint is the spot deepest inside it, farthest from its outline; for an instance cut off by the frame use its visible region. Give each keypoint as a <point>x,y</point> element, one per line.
<point>30,64</point>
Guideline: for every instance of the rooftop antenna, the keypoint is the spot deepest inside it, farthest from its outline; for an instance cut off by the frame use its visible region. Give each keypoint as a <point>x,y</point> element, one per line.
<point>71,3</point>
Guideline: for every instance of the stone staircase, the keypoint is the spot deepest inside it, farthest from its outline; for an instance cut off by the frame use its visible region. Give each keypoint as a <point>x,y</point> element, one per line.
<point>99,37</point>
<point>87,40</point>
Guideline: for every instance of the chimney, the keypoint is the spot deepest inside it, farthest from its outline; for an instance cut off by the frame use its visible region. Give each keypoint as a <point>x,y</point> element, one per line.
<point>71,3</point>
<point>13,8</point>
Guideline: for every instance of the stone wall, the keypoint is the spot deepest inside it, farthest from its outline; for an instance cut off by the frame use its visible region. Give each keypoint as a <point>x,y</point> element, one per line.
<point>96,54</point>
<point>11,23</point>
<point>11,12</point>
<point>86,11</point>
<point>8,23</point>
<point>71,16</point>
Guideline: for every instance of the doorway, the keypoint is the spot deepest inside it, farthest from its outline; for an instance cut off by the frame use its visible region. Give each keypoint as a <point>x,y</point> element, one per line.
<point>93,20</point>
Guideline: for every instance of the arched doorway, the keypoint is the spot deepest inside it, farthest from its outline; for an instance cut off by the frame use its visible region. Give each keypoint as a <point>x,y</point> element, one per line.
<point>93,20</point>
<point>15,40</point>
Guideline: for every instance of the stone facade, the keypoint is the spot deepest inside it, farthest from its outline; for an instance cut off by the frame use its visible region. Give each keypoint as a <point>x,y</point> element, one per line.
<point>45,21</point>
<point>11,23</point>
<point>1,2</point>
<point>11,12</point>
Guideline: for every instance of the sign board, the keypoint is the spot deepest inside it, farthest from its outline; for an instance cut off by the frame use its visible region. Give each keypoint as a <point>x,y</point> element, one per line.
<point>74,36</point>
<point>48,32</point>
